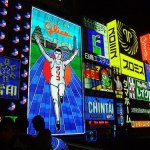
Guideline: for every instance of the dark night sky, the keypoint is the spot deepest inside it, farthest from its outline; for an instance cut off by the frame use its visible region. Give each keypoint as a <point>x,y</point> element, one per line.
<point>133,13</point>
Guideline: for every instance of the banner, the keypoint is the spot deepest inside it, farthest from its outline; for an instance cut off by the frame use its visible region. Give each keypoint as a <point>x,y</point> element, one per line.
<point>113,44</point>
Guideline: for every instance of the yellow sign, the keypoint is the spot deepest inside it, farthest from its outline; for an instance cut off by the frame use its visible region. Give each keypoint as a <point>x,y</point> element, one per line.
<point>113,45</point>
<point>132,67</point>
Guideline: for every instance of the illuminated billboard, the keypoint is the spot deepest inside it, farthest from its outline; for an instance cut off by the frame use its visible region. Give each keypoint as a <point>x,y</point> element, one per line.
<point>132,67</point>
<point>97,108</point>
<point>97,79</point>
<point>55,82</point>
<point>127,101</point>
<point>124,51</point>
<point>9,77</point>
<point>96,41</point>
<point>120,114</point>
<point>138,89</point>
<point>145,47</point>
<point>118,86</point>
<point>140,124</point>
<point>140,113</point>
<point>113,45</point>
<point>128,41</point>
<point>147,74</point>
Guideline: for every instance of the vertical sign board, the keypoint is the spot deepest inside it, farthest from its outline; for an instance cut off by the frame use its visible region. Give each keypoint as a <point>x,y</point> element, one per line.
<point>96,42</point>
<point>14,53</point>
<point>147,74</point>
<point>55,90</point>
<point>126,101</point>
<point>145,47</point>
<point>120,114</point>
<point>113,47</point>
<point>118,86</point>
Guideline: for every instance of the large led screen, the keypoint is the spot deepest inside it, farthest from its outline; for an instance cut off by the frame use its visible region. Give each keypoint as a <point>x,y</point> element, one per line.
<point>55,82</point>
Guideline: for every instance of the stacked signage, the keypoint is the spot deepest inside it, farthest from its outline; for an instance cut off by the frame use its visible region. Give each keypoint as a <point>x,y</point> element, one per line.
<point>116,78</point>
<point>98,82</point>
<point>126,60</point>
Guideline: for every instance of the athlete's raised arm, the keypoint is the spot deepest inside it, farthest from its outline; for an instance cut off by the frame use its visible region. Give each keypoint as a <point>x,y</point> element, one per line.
<point>71,58</point>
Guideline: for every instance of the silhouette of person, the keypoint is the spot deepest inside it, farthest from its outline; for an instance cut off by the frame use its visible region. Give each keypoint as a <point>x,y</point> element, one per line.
<point>23,140</point>
<point>43,137</point>
<point>7,133</point>
<point>57,80</point>
<point>118,84</point>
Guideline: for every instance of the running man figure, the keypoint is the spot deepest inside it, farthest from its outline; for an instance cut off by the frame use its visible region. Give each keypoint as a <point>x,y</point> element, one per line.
<point>57,80</point>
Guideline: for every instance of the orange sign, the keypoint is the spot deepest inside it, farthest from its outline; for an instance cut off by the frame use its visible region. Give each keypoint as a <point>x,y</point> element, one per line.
<point>140,124</point>
<point>145,47</point>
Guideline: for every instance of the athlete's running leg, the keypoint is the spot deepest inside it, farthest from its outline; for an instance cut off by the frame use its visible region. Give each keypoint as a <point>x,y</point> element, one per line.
<point>55,97</point>
<point>61,90</point>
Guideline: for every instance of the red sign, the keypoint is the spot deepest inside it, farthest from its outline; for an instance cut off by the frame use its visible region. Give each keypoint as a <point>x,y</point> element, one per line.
<point>145,47</point>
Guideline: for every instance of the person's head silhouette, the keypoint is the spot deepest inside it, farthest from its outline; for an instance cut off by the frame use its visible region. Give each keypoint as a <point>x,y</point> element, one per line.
<point>38,123</point>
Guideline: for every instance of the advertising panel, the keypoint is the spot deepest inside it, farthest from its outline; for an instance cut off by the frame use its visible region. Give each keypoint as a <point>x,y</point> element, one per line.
<point>118,86</point>
<point>138,89</point>
<point>113,44</point>
<point>98,80</point>
<point>145,47</point>
<point>140,124</point>
<point>132,67</point>
<point>147,74</point>
<point>96,43</point>
<point>9,77</point>
<point>128,41</point>
<point>55,90</point>
<point>127,101</point>
<point>139,112</point>
<point>97,108</point>
<point>120,114</point>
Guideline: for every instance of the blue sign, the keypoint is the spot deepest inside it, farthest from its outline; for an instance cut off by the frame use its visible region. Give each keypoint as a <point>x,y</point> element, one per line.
<point>9,77</point>
<point>99,108</point>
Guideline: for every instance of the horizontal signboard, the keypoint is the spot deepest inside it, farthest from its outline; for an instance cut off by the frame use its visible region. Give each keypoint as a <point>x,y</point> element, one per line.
<point>99,108</point>
<point>132,67</point>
